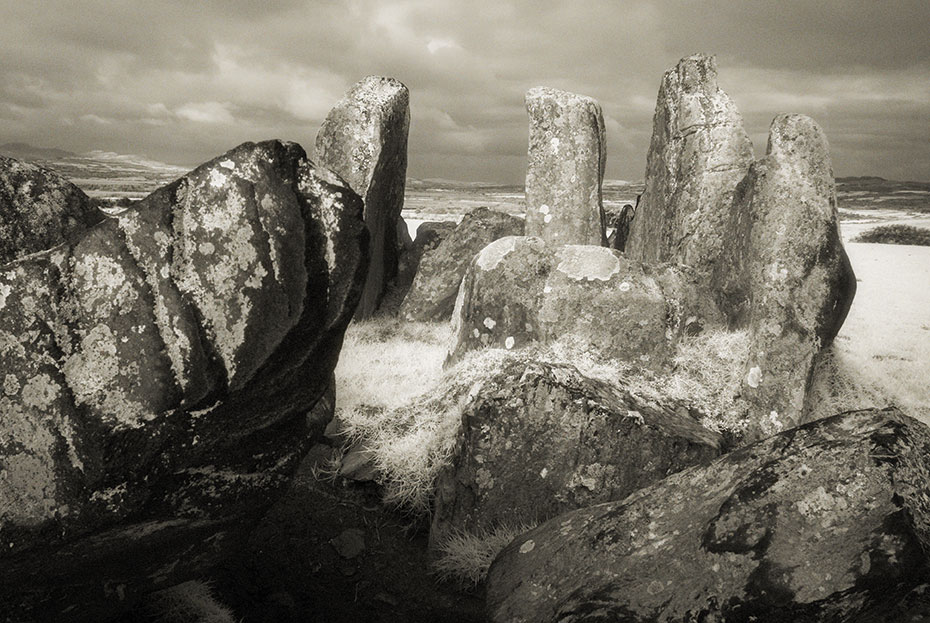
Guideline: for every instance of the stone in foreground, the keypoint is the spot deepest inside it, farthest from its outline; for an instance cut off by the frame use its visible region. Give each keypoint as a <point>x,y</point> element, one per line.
<point>826,522</point>
<point>699,152</point>
<point>163,374</point>
<point>39,209</point>
<point>364,140</point>
<point>539,439</point>
<point>440,272</point>
<point>566,157</point>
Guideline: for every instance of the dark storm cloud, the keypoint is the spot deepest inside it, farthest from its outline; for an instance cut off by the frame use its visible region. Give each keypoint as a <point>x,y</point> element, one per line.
<point>184,81</point>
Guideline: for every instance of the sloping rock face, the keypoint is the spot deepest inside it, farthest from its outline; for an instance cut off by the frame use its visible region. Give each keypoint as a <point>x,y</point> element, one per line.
<point>566,158</point>
<point>157,378</point>
<point>787,275</point>
<point>698,154</point>
<point>520,289</point>
<point>539,439</point>
<point>364,140</point>
<point>39,209</point>
<point>440,272</point>
<point>827,522</point>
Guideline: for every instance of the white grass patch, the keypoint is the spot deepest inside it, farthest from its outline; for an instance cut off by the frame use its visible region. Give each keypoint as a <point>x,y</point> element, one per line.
<point>882,353</point>
<point>386,363</point>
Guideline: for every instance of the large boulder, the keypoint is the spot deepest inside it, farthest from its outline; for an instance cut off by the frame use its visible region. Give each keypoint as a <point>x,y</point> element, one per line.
<point>786,275</point>
<point>364,140</point>
<point>826,522</point>
<point>698,154</point>
<point>538,439</point>
<point>566,157</point>
<point>161,378</point>
<point>520,289</point>
<point>39,209</point>
<point>440,272</point>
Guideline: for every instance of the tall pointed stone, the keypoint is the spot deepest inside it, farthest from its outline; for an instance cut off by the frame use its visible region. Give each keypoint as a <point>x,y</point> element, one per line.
<point>566,157</point>
<point>787,274</point>
<point>364,140</point>
<point>698,154</point>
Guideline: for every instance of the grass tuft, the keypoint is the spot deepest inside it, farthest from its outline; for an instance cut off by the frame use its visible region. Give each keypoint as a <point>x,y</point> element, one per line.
<point>896,234</point>
<point>467,557</point>
<point>190,602</point>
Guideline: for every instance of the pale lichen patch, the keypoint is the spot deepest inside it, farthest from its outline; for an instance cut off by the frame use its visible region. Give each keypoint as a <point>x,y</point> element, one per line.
<point>588,262</point>
<point>10,385</point>
<point>5,291</point>
<point>40,392</point>
<point>491,255</point>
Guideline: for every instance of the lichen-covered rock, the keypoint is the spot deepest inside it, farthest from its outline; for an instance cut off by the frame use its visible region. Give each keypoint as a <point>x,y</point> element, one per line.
<point>786,275</point>
<point>520,289</point>
<point>39,209</point>
<point>364,140</point>
<point>157,374</point>
<point>566,157</point>
<point>698,154</point>
<point>826,522</point>
<point>440,272</point>
<point>539,439</point>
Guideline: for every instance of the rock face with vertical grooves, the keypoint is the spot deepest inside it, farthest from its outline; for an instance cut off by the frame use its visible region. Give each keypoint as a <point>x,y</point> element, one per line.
<point>786,274</point>
<point>440,272</point>
<point>539,439</point>
<point>566,158</point>
<point>39,209</point>
<point>826,522</point>
<point>364,140</point>
<point>698,154</point>
<point>160,376</point>
<point>520,289</point>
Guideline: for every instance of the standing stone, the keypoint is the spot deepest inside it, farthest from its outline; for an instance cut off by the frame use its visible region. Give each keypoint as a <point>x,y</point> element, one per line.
<point>566,158</point>
<point>826,522</point>
<point>698,154</point>
<point>364,140</point>
<point>787,273</point>
<point>39,209</point>
<point>157,373</point>
<point>432,295</point>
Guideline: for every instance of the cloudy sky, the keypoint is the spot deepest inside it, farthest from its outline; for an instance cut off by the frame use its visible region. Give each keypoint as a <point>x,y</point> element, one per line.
<point>182,81</point>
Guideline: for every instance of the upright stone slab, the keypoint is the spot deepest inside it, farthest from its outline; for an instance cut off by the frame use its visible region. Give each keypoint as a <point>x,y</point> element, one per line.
<point>566,158</point>
<point>364,140</point>
<point>698,154</point>
<point>39,209</point>
<point>432,295</point>
<point>786,274</point>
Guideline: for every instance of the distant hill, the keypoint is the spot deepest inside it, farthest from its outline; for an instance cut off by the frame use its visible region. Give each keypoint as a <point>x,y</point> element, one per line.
<point>29,153</point>
<point>870,193</point>
<point>101,174</point>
